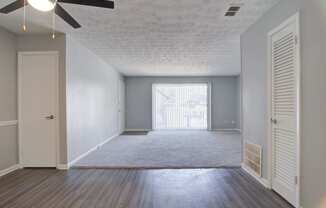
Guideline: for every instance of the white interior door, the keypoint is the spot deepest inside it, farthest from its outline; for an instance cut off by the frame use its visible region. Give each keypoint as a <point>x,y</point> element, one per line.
<point>121,105</point>
<point>285,109</point>
<point>38,101</point>
<point>180,106</point>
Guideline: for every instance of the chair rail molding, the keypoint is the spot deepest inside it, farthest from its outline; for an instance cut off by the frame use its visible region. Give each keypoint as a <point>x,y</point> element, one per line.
<point>8,123</point>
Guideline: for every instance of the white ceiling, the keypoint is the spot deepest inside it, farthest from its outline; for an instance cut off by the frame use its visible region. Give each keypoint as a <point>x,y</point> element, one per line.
<point>155,37</point>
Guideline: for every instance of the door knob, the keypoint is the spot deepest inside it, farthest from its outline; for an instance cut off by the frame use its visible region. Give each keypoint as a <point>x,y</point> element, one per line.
<point>51,117</point>
<point>274,121</point>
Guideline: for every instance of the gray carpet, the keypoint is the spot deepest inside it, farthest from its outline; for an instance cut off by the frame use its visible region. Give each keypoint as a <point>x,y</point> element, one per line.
<point>168,149</point>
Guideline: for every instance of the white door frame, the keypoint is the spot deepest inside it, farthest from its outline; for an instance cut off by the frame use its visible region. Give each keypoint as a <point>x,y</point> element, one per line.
<point>209,99</point>
<point>57,115</point>
<point>295,18</point>
<point>121,106</point>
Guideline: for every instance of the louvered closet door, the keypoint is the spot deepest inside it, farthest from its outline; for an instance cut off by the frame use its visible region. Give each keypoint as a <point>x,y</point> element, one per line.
<point>284,111</point>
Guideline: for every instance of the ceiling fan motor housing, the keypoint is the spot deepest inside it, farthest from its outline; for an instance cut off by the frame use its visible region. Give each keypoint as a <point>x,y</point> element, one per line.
<point>43,5</point>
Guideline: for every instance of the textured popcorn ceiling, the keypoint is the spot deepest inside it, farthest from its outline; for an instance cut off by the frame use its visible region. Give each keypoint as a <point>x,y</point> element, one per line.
<point>157,37</point>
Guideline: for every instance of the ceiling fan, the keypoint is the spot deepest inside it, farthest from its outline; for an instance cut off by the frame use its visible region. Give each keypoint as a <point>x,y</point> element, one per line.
<point>48,5</point>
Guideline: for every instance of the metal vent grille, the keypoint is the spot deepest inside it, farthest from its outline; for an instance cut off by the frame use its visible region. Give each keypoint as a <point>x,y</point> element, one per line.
<point>252,157</point>
<point>232,11</point>
<point>228,14</point>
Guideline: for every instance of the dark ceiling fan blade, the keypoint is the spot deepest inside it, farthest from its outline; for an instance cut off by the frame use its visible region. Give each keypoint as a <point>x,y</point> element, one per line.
<point>95,3</point>
<point>13,6</point>
<point>61,12</point>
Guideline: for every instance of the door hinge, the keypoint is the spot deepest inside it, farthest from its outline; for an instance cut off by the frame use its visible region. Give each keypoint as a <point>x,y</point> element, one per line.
<point>296,180</point>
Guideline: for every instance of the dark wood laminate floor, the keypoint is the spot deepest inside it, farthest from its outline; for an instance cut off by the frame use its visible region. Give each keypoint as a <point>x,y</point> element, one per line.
<point>196,188</point>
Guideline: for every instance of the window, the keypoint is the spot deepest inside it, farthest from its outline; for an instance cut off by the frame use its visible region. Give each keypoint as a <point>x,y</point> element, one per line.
<point>180,106</point>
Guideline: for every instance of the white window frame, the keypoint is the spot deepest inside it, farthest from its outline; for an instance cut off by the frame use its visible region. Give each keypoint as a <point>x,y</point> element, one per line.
<point>209,95</point>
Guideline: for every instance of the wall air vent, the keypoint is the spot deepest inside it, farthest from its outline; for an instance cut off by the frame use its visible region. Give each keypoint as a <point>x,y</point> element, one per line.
<point>253,157</point>
<point>232,11</point>
<point>230,14</point>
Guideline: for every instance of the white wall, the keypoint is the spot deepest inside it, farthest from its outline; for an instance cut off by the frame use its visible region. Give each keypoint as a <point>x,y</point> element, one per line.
<point>92,99</point>
<point>224,100</point>
<point>254,73</point>
<point>8,99</point>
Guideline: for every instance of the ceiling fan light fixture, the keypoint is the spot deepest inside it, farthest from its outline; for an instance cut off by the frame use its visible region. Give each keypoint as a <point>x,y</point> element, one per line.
<point>43,5</point>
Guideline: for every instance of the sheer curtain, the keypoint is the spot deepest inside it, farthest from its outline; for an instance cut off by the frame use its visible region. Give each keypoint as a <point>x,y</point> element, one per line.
<point>180,106</point>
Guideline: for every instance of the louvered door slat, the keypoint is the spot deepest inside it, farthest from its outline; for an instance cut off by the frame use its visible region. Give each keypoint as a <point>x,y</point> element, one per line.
<point>284,111</point>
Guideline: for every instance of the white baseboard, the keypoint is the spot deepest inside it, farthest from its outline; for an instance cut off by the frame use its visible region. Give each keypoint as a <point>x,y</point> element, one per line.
<point>228,130</point>
<point>81,156</point>
<point>107,140</point>
<point>138,129</point>
<point>261,180</point>
<point>62,166</point>
<point>90,151</point>
<point>9,170</point>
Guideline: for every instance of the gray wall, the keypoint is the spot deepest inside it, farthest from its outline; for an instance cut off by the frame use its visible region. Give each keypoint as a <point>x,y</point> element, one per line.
<point>92,100</point>
<point>98,81</point>
<point>46,43</point>
<point>254,72</point>
<point>139,100</point>
<point>239,103</point>
<point>8,100</point>
<point>10,44</point>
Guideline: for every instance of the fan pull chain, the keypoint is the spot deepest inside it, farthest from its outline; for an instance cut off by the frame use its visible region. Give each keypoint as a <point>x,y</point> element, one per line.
<point>24,20</point>
<point>53,24</point>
